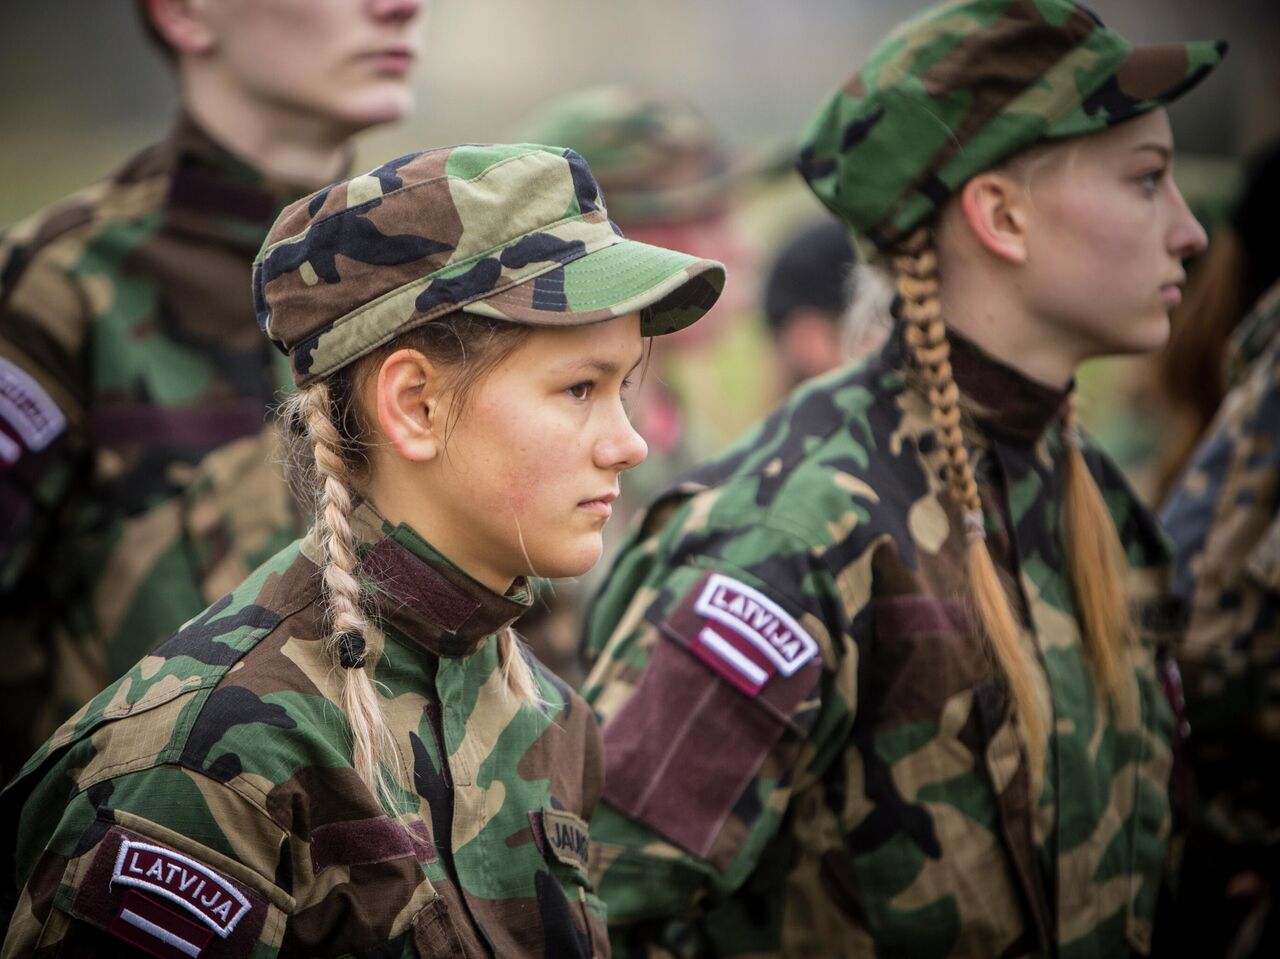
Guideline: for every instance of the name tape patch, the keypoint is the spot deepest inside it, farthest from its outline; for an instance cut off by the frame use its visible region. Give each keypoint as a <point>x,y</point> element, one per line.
<point>26,407</point>
<point>747,637</point>
<point>567,836</point>
<point>195,887</point>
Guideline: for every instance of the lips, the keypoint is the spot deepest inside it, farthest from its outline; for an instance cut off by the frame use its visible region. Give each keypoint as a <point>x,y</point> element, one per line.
<point>1171,292</point>
<point>603,505</point>
<point>395,60</point>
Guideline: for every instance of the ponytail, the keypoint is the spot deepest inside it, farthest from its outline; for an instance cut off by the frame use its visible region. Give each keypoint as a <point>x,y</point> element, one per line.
<point>1098,570</point>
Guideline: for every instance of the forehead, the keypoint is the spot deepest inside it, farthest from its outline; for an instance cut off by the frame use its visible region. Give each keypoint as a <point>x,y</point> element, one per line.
<point>615,342</point>
<point>1151,129</point>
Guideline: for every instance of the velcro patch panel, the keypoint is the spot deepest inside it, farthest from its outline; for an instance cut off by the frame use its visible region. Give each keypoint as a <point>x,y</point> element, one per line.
<point>166,902</point>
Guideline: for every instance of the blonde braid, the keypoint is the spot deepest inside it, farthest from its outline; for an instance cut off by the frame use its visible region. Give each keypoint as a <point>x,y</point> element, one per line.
<point>1097,564</point>
<point>915,265</point>
<point>374,748</point>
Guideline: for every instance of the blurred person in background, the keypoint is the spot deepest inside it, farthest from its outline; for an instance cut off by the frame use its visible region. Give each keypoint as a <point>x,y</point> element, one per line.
<point>671,180</point>
<point>1223,514</point>
<point>887,677</point>
<point>806,299</point>
<point>138,473</point>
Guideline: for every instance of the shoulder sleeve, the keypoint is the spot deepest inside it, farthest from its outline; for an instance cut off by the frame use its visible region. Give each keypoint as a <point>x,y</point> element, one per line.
<point>43,325</point>
<point>720,689</point>
<point>159,862</point>
<point>1220,507</point>
<point>1224,521</point>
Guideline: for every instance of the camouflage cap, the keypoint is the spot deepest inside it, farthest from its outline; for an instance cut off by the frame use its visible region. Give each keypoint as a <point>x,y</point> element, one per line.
<point>967,84</point>
<point>515,232</point>
<point>658,159</point>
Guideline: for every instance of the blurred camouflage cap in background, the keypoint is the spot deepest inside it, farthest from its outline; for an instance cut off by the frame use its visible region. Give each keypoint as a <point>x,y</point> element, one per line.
<point>964,86</point>
<point>515,232</point>
<point>658,159</point>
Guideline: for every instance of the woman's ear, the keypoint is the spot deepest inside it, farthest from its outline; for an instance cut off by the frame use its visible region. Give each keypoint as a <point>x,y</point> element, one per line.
<point>995,207</point>
<point>183,24</point>
<point>406,399</point>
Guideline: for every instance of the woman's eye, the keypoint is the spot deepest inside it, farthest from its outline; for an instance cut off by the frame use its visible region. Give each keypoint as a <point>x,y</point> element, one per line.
<point>1150,181</point>
<point>579,391</point>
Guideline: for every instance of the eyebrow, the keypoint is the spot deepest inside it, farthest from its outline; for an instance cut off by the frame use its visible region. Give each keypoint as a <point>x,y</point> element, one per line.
<point>602,367</point>
<point>1166,153</point>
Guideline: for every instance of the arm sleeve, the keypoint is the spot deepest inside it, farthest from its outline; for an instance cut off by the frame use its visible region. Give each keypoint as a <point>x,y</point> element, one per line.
<point>1223,519</point>
<point>43,324</point>
<point>43,455</point>
<point>159,862</point>
<point>725,685</point>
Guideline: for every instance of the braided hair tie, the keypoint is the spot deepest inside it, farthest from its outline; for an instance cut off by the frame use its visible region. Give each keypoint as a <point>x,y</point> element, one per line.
<point>975,531</point>
<point>351,650</point>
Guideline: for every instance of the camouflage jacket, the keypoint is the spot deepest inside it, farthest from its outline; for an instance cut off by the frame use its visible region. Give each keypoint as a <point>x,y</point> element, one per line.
<point>207,800</point>
<point>1224,517</point>
<point>135,478</point>
<point>807,751</point>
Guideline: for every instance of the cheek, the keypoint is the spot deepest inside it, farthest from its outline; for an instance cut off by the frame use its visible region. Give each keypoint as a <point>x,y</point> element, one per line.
<point>1090,248</point>
<point>531,484</point>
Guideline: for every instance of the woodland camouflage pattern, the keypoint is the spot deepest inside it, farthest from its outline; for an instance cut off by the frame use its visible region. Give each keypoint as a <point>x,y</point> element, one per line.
<point>516,232</point>
<point>1224,517</point>
<point>137,475</point>
<point>876,801</point>
<point>657,159</point>
<point>967,84</point>
<point>226,746</point>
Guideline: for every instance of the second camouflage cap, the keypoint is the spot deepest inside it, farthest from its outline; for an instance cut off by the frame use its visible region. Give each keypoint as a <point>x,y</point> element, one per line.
<point>965,85</point>
<point>658,158</point>
<point>515,232</point>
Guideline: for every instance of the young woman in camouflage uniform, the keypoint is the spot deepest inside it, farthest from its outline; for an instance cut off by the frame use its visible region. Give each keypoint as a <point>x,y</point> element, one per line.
<point>870,682</point>
<point>350,755</point>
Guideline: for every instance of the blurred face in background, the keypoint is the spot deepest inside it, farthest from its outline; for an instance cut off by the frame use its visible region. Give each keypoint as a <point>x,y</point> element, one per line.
<point>346,62</point>
<point>717,236</point>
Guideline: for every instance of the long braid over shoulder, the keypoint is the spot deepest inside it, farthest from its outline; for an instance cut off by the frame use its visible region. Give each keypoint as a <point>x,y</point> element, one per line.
<point>915,266</point>
<point>1094,554</point>
<point>375,753</point>
<point>326,460</point>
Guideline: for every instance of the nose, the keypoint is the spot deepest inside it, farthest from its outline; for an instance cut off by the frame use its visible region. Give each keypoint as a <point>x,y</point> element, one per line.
<point>395,11</point>
<point>620,447</point>
<point>1186,236</point>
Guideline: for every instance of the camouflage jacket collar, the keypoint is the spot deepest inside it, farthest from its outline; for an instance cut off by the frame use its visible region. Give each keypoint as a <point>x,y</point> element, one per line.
<point>213,193</point>
<point>1004,401</point>
<point>424,596</point>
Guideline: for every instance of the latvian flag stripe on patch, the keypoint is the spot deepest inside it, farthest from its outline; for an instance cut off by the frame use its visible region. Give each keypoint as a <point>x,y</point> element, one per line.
<point>723,648</point>
<point>158,930</point>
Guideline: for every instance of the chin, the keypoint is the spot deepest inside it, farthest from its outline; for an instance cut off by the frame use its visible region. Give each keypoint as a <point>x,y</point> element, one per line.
<point>1150,335</point>
<point>571,563</point>
<point>386,102</point>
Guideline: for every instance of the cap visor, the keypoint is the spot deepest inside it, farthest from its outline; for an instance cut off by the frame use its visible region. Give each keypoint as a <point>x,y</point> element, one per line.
<point>672,289</point>
<point>1164,72</point>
